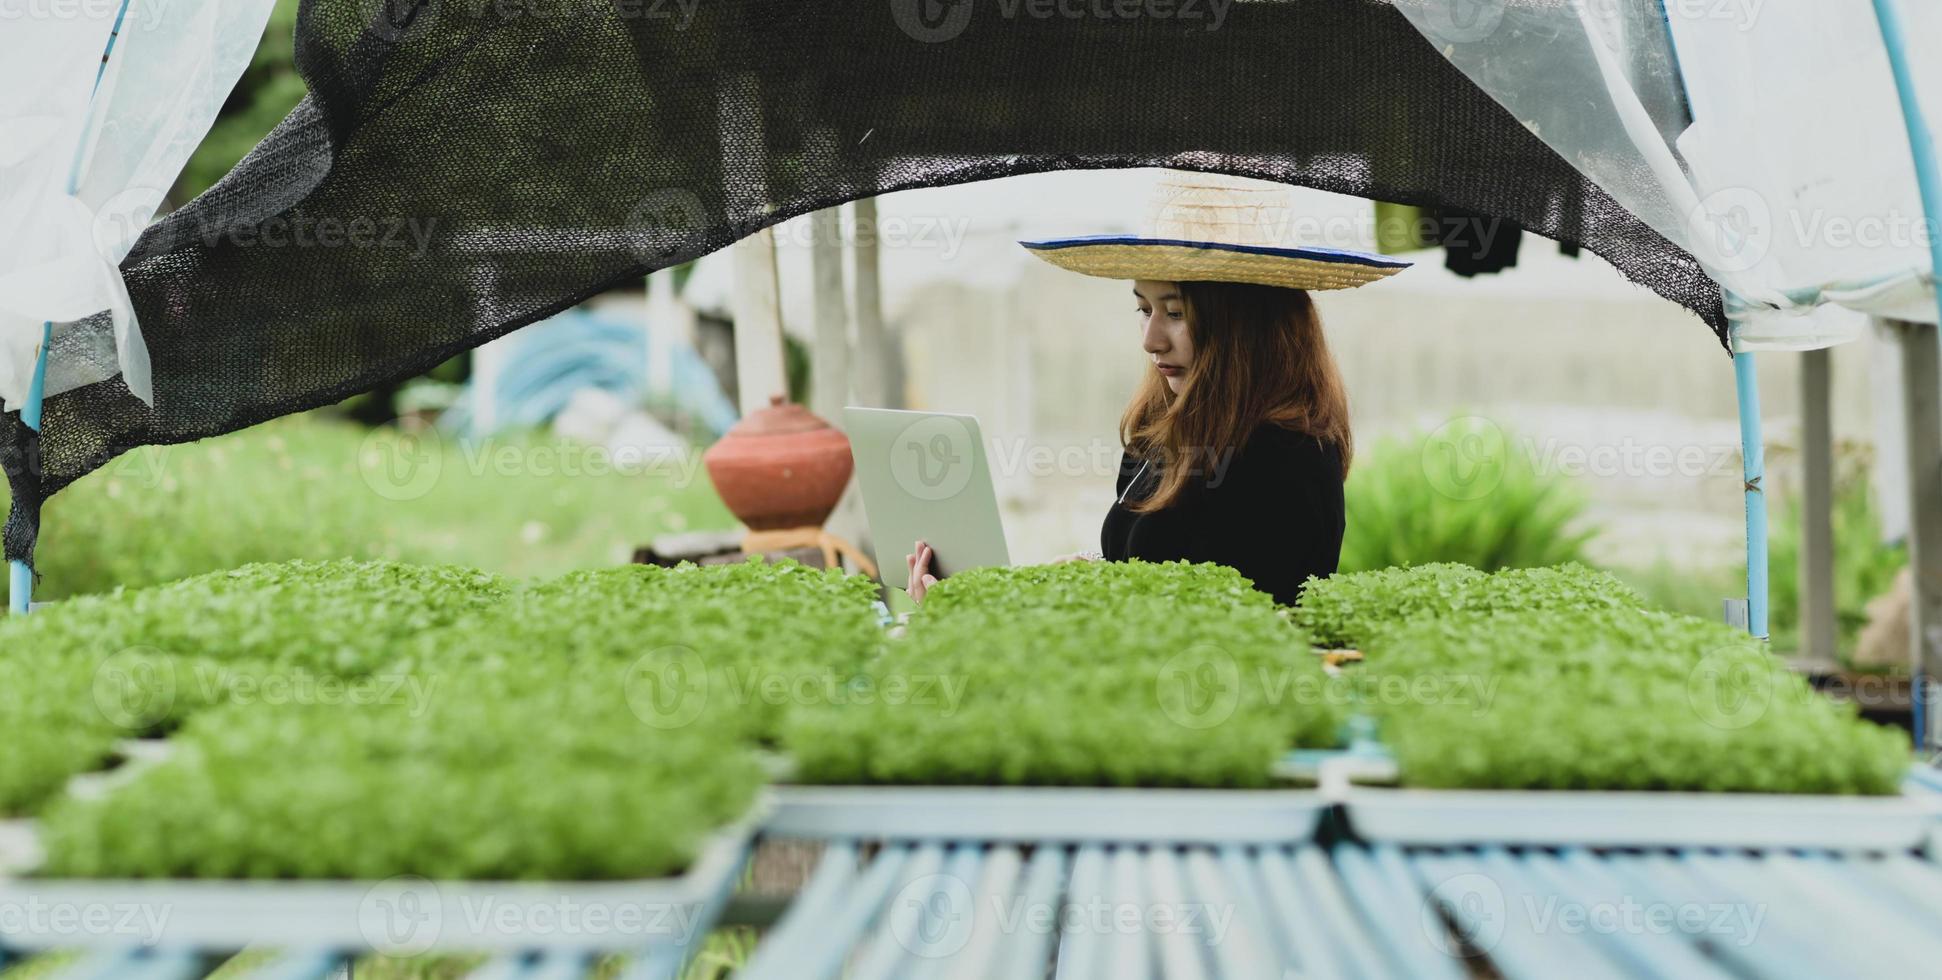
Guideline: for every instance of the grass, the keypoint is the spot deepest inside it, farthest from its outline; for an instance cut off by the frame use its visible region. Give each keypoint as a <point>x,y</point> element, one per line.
<point>310,486</point>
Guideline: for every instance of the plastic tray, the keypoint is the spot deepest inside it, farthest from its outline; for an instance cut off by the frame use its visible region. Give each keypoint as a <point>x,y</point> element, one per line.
<point>1025,814</point>
<point>404,914</point>
<point>1638,819</point>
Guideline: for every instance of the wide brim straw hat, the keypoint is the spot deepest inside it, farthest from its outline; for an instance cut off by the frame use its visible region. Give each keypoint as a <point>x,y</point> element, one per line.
<point>1208,227</point>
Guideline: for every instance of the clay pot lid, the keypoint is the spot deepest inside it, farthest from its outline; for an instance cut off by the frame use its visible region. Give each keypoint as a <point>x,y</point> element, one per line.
<point>782,417</point>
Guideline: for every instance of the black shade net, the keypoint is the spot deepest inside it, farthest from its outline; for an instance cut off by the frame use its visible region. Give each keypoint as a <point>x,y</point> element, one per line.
<point>462,168</point>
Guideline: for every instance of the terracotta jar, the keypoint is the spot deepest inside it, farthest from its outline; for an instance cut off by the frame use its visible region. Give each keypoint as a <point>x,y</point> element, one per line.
<point>780,467</point>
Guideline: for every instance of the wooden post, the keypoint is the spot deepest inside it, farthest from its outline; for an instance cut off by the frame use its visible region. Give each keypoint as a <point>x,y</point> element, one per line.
<point>1922,442</point>
<point>872,345</point>
<point>1818,637</point>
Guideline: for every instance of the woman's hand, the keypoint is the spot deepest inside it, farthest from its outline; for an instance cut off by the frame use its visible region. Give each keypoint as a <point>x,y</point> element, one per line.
<point>1077,556</point>
<point>921,578</point>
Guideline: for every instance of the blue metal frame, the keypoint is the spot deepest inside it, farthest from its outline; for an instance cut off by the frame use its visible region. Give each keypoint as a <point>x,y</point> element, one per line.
<point>1753,456</point>
<point>895,905</point>
<point>1928,179</point>
<point>1921,142</point>
<point>1354,910</point>
<point>20,574</point>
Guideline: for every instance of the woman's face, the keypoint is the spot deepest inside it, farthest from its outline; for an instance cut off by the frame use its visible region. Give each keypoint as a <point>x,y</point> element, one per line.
<point>1163,329</point>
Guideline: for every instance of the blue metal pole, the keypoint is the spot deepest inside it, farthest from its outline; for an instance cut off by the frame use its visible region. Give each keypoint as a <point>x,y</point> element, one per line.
<point>20,575</point>
<point>1921,142</point>
<point>1753,456</point>
<point>1928,180</point>
<point>1753,453</point>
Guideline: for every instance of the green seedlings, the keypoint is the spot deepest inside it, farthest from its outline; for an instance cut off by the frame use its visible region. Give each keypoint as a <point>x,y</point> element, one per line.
<point>1613,699</point>
<point>740,644</point>
<point>1093,587</point>
<point>1345,610</point>
<point>477,783</point>
<point>1109,674</point>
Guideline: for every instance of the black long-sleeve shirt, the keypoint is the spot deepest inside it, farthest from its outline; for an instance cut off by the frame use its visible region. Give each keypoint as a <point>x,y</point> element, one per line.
<point>1274,513</point>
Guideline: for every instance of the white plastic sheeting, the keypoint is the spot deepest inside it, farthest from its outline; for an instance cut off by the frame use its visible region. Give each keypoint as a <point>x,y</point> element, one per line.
<point>84,169</point>
<point>1793,183</point>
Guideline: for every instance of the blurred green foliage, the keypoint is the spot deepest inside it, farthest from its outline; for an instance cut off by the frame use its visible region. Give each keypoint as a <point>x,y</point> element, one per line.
<point>1462,494</point>
<point>1863,567</point>
<point>795,362</point>
<point>268,90</point>
<point>298,488</point>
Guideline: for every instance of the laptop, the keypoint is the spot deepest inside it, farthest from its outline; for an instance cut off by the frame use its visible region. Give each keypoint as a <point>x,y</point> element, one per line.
<point>925,475</point>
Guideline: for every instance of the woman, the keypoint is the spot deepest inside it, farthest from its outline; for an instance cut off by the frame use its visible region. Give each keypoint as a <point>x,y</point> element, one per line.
<point>1237,441</point>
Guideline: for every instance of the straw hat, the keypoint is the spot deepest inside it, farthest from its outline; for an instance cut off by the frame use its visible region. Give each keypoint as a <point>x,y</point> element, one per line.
<point>1213,227</point>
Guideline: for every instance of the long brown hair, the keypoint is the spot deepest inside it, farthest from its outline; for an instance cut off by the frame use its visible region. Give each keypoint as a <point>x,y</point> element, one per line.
<point>1258,355</point>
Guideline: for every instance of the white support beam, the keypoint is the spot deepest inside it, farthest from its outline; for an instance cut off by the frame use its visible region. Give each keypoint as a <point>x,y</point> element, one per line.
<point>1818,636</point>
<point>1922,443</point>
<point>872,381</point>
<point>830,370</point>
<point>488,361</point>
<point>670,327</point>
<point>759,368</point>
<point>830,353</point>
